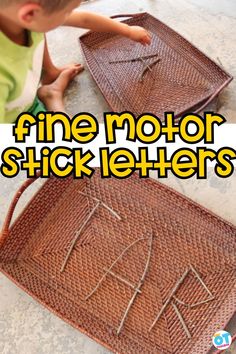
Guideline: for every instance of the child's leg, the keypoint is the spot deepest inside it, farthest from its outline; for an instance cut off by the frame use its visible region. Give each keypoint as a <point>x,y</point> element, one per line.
<point>52,95</point>
<point>50,71</point>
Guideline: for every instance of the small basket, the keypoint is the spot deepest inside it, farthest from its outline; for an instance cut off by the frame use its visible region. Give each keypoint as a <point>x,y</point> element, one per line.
<point>182,78</point>
<point>139,248</point>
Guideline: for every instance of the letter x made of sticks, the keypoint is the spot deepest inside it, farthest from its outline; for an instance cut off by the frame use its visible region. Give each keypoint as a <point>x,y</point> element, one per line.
<point>143,59</point>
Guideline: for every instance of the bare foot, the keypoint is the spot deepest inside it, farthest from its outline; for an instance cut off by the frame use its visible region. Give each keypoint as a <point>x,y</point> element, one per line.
<point>52,95</point>
<point>51,76</point>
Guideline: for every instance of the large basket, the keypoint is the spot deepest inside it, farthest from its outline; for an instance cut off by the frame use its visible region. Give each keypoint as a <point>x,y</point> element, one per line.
<point>138,239</point>
<point>182,80</point>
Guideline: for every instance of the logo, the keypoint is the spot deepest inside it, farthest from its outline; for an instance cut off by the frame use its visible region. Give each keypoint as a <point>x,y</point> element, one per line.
<point>222,340</point>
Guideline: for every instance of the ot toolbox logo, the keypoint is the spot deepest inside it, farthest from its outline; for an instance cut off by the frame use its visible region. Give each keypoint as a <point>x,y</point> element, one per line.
<point>222,340</point>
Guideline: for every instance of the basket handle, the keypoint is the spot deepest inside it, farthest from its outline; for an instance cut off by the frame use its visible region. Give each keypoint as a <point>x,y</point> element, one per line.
<point>207,102</point>
<point>127,15</point>
<point>6,226</point>
<point>211,98</point>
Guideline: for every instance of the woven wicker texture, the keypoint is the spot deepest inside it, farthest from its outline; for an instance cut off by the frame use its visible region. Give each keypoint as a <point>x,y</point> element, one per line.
<point>182,78</point>
<point>183,234</point>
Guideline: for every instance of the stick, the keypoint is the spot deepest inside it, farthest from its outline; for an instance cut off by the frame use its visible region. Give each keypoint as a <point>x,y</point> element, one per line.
<point>202,302</point>
<point>189,306</point>
<point>177,286</point>
<point>201,281</point>
<point>124,61</point>
<point>155,62</point>
<point>123,280</point>
<point>220,62</point>
<point>138,287</point>
<point>113,264</point>
<point>133,59</point>
<point>148,67</point>
<point>77,237</point>
<point>143,73</point>
<point>180,317</point>
<point>127,311</point>
<point>181,302</point>
<point>103,204</point>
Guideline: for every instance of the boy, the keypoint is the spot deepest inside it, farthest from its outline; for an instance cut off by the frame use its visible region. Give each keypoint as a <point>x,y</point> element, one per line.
<point>24,55</point>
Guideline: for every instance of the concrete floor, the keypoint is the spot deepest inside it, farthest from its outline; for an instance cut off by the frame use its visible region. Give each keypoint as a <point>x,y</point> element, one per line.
<point>25,326</point>
<point>209,24</point>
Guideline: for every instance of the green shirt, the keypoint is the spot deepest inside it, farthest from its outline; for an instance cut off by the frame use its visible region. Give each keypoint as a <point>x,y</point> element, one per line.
<point>20,74</point>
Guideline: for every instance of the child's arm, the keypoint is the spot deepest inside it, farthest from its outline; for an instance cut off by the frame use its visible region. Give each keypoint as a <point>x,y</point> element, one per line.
<point>4,91</point>
<point>100,23</point>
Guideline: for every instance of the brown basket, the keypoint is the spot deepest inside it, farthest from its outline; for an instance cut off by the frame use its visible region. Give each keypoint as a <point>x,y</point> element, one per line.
<point>183,79</point>
<point>156,234</point>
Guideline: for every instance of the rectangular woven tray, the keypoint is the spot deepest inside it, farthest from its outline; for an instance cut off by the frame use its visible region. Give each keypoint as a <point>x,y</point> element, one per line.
<point>141,238</point>
<point>183,79</point>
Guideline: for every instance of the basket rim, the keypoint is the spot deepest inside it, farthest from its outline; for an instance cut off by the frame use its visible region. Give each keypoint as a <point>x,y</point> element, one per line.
<point>77,326</point>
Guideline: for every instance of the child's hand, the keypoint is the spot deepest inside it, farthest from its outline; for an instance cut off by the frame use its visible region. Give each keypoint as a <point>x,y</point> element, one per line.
<point>139,34</point>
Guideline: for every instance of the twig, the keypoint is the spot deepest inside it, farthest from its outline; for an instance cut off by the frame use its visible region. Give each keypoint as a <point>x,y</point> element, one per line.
<point>148,67</point>
<point>145,69</point>
<point>172,296</point>
<point>123,280</point>
<point>181,302</point>
<point>138,287</point>
<point>189,306</point>
<point>124,61</point>
<point>142,59</point>
<point>73,243</point>
<point>201,281</point>
<point>176,287</point>
<point>103,204</point>
<point>133,59</point>
<point>113,264</point>
<point>155,62</point>
<point>180,317</point>
<point>202,302</point>
<point>220,62</point>
<point>127,312</point>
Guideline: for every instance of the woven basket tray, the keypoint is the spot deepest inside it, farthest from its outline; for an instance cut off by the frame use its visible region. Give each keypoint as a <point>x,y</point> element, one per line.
<point>183,79</point>
<point>160,236</point>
